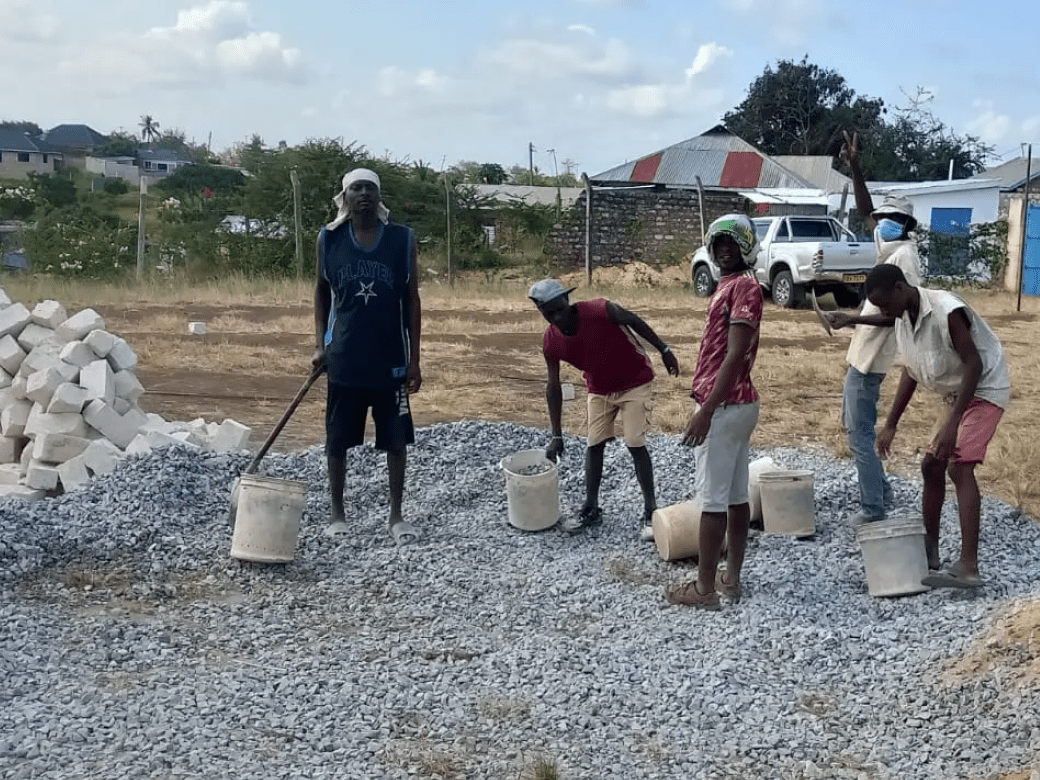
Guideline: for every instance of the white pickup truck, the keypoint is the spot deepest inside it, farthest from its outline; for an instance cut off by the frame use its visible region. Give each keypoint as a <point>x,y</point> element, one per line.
<point>798,253</point>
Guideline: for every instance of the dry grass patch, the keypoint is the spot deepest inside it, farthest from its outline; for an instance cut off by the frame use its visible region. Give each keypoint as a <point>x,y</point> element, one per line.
<point>1009,648</point>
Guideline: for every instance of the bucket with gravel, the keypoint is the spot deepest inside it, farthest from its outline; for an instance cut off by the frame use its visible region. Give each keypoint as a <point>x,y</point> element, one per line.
<point>532,490</point>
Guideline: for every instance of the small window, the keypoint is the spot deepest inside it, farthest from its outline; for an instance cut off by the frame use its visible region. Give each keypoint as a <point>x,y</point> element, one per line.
<point>162,166</point>
<point>781,233</point>
<point>45,158</point>
<point>23,157</point>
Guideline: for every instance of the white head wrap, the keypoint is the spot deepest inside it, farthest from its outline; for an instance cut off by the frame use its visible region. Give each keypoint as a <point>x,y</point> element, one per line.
<point>358,174</point>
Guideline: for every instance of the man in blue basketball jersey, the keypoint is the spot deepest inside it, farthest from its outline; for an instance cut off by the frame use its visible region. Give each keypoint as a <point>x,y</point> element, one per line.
<point>367,318</point>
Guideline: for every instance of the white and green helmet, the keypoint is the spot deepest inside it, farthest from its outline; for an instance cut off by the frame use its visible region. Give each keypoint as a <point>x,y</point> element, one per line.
<point>740,229</point>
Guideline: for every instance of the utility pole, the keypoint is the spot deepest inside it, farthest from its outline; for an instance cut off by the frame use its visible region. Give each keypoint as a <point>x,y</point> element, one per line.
<point>296,218</point>
<point>140,228</point>
<point>559,198</point>
<point>447,211</point>
<point>1025,226</point>
<point>530,161</point>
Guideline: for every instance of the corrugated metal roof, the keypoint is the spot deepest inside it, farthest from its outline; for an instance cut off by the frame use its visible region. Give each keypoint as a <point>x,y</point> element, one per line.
<point>817,169</point>
<point>17,141</point>
<point>545,196</point>
<point>1012,174</point>
<point>717,157</point>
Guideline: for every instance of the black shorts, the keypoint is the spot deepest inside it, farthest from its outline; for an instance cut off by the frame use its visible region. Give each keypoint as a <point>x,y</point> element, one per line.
<point>346,411</point>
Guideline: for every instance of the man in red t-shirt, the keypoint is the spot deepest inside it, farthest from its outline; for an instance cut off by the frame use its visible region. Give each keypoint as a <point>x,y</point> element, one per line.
<point>725,414</point>
<point>599,338</point>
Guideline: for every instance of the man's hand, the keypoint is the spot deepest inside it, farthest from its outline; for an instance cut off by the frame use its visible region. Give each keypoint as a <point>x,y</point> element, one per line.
<point>697,430</point>
<point>555,448</point>
<point>839,319</point>
<point>670,362</point>
<point>414,378</point>
<point>884,441</point>
<point>319,357</point>
<point>946,442</point>
<point>850,149</point>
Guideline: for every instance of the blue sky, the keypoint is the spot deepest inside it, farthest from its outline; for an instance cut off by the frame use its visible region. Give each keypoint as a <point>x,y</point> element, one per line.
<point>598,81</point>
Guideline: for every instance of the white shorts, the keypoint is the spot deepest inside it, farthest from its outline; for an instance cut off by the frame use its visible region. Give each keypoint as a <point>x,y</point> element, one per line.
<point>721,480</point>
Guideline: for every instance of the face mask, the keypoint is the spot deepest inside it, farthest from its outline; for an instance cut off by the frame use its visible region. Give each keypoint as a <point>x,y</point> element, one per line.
<point>889,230</point>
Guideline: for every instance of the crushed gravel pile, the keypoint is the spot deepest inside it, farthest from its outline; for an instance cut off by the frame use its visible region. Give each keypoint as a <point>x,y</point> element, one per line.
<point>131,645</point>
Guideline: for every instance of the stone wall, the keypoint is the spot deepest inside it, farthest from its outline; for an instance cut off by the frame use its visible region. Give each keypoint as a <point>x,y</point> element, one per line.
<point>651,225</point>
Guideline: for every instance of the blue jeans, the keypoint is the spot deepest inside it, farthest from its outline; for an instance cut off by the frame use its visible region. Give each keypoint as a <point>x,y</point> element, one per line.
<point>859,414</point>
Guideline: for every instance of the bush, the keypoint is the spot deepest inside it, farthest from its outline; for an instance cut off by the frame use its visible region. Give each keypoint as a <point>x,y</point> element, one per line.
<point>79,241</point>
<point>115,186</point>
<point>979,255</point>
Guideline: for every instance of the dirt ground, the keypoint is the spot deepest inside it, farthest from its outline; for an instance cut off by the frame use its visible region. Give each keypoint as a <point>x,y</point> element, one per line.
<point>482,360</point>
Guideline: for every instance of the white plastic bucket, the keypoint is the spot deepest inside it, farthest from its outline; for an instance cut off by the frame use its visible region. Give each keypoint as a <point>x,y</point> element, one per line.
<point>894,556</point>
<point>755,471</point>
<point>788,504</point>
<point>677,530</point>
<point>267,523</point>
<point>533,498</point>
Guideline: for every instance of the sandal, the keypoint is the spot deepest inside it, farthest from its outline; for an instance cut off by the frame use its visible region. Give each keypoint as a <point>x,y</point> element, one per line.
<point>730,592</point>
<point>688,595</point>
<point>403,533</point>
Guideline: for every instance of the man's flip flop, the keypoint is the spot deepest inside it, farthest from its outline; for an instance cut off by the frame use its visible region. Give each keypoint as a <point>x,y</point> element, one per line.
<point>951,578</point>
<point>337,529</point>
<point>404,533</point>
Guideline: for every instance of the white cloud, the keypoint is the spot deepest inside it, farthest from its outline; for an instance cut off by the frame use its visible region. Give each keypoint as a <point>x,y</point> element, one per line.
<point>22,22</point>
<point>988,124</point>
<point>531,57</point>
<point>206,47</point>
<point>582,28</point>
<point>652,100</point>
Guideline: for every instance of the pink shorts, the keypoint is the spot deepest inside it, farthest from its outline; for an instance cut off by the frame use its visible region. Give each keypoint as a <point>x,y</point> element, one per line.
<point>974,433</point>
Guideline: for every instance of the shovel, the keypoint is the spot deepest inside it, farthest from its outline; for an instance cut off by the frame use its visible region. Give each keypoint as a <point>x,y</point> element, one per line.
<point>255,463</point>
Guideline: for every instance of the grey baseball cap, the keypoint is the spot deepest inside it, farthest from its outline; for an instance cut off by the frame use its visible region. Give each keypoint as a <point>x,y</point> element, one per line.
<point>547,290</point>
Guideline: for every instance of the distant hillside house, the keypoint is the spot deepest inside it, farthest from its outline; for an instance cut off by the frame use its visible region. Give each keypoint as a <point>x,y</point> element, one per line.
<point>159,163</point>
<point>155,164</point>
<point>73,139</point>
<point>21,155</point>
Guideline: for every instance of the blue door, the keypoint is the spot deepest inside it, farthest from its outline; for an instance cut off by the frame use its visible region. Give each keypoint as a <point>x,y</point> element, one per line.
<point>948,244</point>
<point>1031,270</point>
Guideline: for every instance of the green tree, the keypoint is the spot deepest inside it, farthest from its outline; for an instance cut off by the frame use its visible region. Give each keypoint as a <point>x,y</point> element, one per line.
<point>120,143</point>
<point>493,173</point>
<point>801,108</point>
<point>21,126</point>
<point>78,240</point>
<point>54,191</point>
<point>916,146</point>
<point>149,128</point>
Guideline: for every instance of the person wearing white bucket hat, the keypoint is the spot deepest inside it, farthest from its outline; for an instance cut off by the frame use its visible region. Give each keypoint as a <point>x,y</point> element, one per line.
<point>367,317</point>
<point>872,350</point>
<point>601,339</point>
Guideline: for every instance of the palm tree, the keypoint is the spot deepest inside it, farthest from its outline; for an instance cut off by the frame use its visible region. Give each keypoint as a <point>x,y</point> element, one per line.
<point>149,128</point>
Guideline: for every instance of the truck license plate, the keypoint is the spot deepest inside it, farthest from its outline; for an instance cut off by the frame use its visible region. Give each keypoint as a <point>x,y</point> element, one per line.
<point>853,278</point>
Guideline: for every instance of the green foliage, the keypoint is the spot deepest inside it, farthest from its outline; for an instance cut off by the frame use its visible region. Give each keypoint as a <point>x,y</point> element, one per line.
<point>80,241</point>
<point>120,144</point>
<point>21,126</point>
<point>54,190</point>
<point>195,181</point>
<point>800,108</point>
<point>979,255</point>
<point>916,146</point>
<point>17,202</point>
<point>115,186</point>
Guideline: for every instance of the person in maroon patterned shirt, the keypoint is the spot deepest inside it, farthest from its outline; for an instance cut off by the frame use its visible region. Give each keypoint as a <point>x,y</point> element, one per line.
<point>599,338</point>
<point>725,414</point>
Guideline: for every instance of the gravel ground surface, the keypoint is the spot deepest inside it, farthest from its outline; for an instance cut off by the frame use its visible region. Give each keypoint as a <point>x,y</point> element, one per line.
<point>131,645</point>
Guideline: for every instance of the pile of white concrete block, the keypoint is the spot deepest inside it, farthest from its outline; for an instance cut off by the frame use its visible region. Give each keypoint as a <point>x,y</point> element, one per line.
<point>69,403</point>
